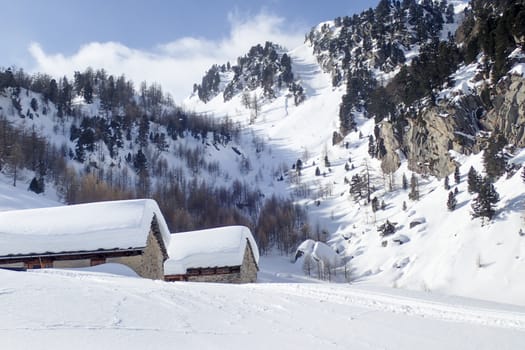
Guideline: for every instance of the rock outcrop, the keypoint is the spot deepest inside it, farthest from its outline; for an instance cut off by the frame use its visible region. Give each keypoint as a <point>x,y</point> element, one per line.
<point>430,135</point>
<point>436,130</point>
<point>508,113</point>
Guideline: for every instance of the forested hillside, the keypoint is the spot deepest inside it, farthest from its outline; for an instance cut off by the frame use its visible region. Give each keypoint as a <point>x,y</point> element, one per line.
<point>98,138</point>
<point>401,64</point>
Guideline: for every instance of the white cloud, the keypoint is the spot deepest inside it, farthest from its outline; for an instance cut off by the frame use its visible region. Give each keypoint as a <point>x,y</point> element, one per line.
<point>175,65</point>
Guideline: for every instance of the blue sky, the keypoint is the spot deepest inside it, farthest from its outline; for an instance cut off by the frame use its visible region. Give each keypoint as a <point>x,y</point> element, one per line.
<point>127,36</point>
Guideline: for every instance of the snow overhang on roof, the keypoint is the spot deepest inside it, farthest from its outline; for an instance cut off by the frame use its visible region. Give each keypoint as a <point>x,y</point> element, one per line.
<point>82,227</point>
<point>217,247</point>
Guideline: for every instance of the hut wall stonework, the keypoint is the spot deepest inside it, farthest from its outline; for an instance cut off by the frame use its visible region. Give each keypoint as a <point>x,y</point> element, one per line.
<point>18,264</point>
<point>221,278</point>
<point>153,259</point>
<point>150,264</point>
<point>248,267</point>
<point>133,262</point>
<point>248,273</point>
<point>72,263</point>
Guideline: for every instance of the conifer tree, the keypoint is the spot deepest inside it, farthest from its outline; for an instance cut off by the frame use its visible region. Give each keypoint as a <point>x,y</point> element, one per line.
<point>371,146</point>
<point>143,132</point>
<point>450,13</point>
<point>375,204</point>
<point>139,161</point>
<point>37,185</point>
<point>484,203</point>
<point>299,165</point>
<point>326,161</point>
<point>405,182</point>
<point>387,228</point>
<point>34,104</point>
<point>88,93</point>
<point>414,188</point>
<point>451,202</point>
<point>474,180</point>
<point>446,183</point>
<point>357,186</point>
<point>493,159</point>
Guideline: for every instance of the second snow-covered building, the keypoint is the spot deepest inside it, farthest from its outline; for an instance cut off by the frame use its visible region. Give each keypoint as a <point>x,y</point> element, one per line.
<point>226,255</point>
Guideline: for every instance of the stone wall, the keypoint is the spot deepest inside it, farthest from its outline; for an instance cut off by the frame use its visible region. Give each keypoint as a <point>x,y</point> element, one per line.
<point>153,259</point>
<point>13,265</point>
<point>247,274</point>
<point>72,263</point>
<point>150,264</point>
<point>249,267</point>
<point>218,278</point>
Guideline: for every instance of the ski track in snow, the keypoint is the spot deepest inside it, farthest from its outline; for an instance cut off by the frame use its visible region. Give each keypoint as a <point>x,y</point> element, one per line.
<point>77,309</point>
<point>411,306</point>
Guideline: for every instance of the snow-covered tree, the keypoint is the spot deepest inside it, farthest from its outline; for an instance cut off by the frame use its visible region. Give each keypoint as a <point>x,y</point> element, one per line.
<point>474,180</point>
<point>457,176</point>
<point>451,201</point>
<point>387,228</point>
<point>493,157</point>
<point>484,203</point>
<point>414,188</point>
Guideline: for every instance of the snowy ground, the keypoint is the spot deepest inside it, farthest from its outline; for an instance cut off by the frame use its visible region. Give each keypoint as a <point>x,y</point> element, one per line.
<point>12,198</point>
<point>72,309</point>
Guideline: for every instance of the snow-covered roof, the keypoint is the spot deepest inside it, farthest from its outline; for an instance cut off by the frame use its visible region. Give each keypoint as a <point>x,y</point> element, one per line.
<point>307,246</point>
<point>82,227</point>
<point>216,247</point>
<point>318,251</point>
<point>324,252</point>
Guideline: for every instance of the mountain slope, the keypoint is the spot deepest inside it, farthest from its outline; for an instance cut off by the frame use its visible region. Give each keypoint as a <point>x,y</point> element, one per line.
<point>12,198</point>
<point>425,135</point>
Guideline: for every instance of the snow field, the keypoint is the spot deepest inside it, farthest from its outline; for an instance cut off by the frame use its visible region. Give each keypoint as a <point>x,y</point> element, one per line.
<point>64,309</point>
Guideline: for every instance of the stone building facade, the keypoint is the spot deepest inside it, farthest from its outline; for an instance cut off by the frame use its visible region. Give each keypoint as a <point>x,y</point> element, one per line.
<point>143,245</point>
<point>150,262</point>
<point>147,262</point>
<point>244,273</point>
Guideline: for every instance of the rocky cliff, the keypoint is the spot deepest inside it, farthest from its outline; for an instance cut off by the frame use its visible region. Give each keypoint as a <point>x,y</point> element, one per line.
<point>430,134</point>
<point>508,113</point>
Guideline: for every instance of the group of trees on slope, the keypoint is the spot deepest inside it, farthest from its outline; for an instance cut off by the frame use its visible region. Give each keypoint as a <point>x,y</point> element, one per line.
<point>262,67</point>
<point>121,152</point>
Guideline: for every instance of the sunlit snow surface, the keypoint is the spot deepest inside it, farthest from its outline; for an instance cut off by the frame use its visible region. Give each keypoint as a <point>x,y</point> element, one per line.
<point>81,227</point>
<point>62,309</point>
